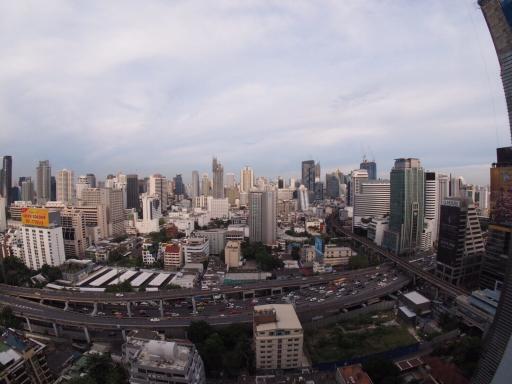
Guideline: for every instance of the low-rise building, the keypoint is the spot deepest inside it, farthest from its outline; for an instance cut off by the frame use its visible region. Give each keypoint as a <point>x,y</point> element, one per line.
<point>173,256</point>
<point>216,239</point>
<point>152,359</point>
<point>335,255</point>
<point>416,302</point>
<point>196,249</point>
<point>232,254</point>
<point>184,280</point>
<point>22,360</point>
<point>352,374</point>
<point>278,337</point>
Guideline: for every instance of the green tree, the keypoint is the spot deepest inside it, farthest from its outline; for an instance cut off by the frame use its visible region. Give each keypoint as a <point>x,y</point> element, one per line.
<point>198,331</point>
<point>125,286</point>
<point>15,271</point>
<point>51,273</point>
<point>8,319</point>
<point>212,352</point>
<point>382,371</point>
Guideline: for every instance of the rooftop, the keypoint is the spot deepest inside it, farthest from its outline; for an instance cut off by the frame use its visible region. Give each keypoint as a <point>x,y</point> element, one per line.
<point>354,374</point>
<point>161,354</point>
<point>286,318</point>
<point>416,298</point>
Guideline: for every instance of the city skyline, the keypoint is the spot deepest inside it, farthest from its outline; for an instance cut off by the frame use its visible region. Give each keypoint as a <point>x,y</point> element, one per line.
<point>145,97</point>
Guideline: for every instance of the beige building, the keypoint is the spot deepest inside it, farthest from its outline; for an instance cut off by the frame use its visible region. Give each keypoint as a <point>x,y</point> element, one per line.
<point>112,200</point>
<point>278,337</point>
<point>173,257</point>
<point>232,254</point>
<point>335,255</point>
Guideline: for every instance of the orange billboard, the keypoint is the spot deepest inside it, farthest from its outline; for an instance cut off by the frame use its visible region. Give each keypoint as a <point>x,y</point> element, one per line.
<point>37,217</point>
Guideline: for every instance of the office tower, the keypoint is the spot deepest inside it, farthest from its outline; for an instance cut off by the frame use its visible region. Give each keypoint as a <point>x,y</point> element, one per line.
<point>151,214</point>
<point>74,232</point>
<point>371,167</point>
<point>230,180</point>
<point>82,183</point>
<point>432,202</point>
<point>308,176</point>
<point>218,179</point>
<point>53,189</point>
<point>443,182</point>
<point>43,241</point>
<point>111,201</point>
<point>278,337</point>
<point>132,191</point>
<point>27,190</point>
<point>158,187</point>
<point>6,184</point>
<point>43,182</point>
<point>461,245</point>
<point>3,214</point>
<point>23,359</point>
<point>179,187</point>
<point>317,171</point>
<point>143,185</point>
<point>407,197</point>
<point>152,359</point>
<point>232,254</point>
<point>333,183</point>
<point>319,191</point>
<point>263,217</point>
<point>246,179</point>
<point>205,185</point>
<point>195,191</point>
<point>482,199</point>
<point>358,177</point>
<point>372,201</point>
<point>65,186</point>
<point>91,180</point>
<point>218,208</point>
<point>280,182</point>
<point>303,198</point>
<point>496,357</point>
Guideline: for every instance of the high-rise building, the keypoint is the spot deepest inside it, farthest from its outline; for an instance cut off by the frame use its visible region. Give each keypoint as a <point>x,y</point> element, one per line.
<point>263,217</point>
<point>278,337</point>
<point>151,214</point>
<point>132,191</point>
<point>3,214</point>
<point>195,190</point>
<point>308,177</point>
<point>232,254</point>
<point>91,180</point>
<point>158,187</point>
<point>65,186</point>
<point>496,357</point>
<point>43,241</point>
<point>319,191</point>
<point>43,182</point>
<point>372,201</point>
<point>205,185</point>
<point>461,245</point>
<point>112,200</point>
<point>82,183</point>
<point>371,167</point>
<point>303,198</point>
<point>230,180</point>
<point>218,179</point>
<point>6,180</point>
<point>53,188</point>
<point>27,190</point>
<point>432,202</point>
<point>407,198</point>
<point>246,179</point>
<point>333,183</point>
<point>358,177</point>
<point>179,187</point>
<point>74,232</point>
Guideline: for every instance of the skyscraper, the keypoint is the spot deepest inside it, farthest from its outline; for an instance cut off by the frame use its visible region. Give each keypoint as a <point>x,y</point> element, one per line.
<point>218,179</point>
<point>308,174</point>
<point>6,184</point>
<point>27,190</point>
<point>43,182</point>
<point>263,217</point>
<point>91,179</point>
<point>406,206</point>
<point>179,187</point>
<point>461,245</point>
<point>230,180</point>
<point>65,186</point>
<point>371,167</point>
<point>158,187</point>
<point>432,202</point>
<point>333,183</point>
<point>358,177</point>
<point>246,179</point>
<point>496,357</point>
<point>195,191</point>
<point>132,191</point>
<point>205,185</point>
<point>371,201</point>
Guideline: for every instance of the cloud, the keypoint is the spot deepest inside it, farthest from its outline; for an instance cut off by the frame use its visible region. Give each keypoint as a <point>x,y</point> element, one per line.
<point>113,86</point>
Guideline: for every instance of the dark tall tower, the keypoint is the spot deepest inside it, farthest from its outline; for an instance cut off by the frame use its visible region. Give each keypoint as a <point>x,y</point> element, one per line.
<point>7,178</point>
<point>179,187</point>
<point>494,365</point>
<point>371,167</point>
<point>132,191</point>
<point>91,180</point>
<point>218,179</point>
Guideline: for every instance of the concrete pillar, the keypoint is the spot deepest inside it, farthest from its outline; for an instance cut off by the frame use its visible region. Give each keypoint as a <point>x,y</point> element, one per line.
<point>161,308</point>
<point>41,301</point>
<point>194,309</point>
<point>87,336</point>
<point>94,310</point>
<point>123,332</point>
<point>55,329</point>
<point>129,309</point>
<point>66,306</point>
<point>29,326</point>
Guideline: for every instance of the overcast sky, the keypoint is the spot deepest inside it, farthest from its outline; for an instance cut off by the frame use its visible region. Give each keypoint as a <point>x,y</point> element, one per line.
<point>162,86</point>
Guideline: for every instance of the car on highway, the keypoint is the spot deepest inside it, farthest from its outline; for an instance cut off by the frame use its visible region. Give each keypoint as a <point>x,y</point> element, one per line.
<point>119,295</point>
<point>154,319</point>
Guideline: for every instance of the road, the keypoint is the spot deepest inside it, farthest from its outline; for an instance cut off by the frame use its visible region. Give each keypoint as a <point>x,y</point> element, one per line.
<point>36,311</point>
